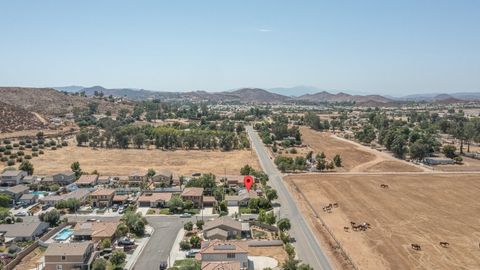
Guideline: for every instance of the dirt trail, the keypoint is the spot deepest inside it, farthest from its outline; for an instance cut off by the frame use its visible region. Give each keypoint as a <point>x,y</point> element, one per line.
<point>43,120</point>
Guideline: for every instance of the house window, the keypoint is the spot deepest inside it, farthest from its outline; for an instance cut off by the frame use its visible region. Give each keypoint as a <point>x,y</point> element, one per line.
<point>59,267</point>
<point>231,255</point>
<point>63,259</point>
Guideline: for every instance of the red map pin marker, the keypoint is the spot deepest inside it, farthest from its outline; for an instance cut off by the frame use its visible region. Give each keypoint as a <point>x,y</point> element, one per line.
<point>248,181</point>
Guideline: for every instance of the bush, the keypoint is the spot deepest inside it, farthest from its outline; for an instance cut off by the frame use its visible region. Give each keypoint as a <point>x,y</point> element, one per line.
<point>52,143</point>
<point>18,220</point>
<point>29,146</point>
<point>64,143</point>
<point>41,152</point>
<point>2,149</point>
<point>28,157</point>
<point>9,147</point>
<point>22,142</point>
<point>7,142</point>
<point>53,148</point>
<point>34,154</point>
<point>34,144</point>
<point>7,152</point>
<point>16,145</point>
<point>41,146</point>
<point>21,148</point>
<point>28,141</point>
<point>11,162</point>
<point>19,159</point>
<point>12,156</point>
<point>34,149</point>
<point>20,153</point>
<point>3,159</point>
<point>293,151</point>
<point>184,245</point>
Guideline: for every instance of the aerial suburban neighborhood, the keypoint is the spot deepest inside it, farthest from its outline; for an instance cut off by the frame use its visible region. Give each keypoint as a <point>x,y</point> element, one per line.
<point>239,135</point>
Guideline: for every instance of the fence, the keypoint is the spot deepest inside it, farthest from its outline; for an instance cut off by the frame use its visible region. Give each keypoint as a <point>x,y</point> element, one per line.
<point>33,246</point>
<point>326,227</point>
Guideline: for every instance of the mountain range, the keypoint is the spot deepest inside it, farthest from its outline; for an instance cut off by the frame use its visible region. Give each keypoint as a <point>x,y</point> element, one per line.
<point>274,95</point>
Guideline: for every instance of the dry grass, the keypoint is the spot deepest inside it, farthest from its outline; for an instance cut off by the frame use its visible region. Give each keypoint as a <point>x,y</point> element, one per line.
<point>417,208</point>
<point>355,157</point>
<point>469,165</point>
<point>123,162</point>
<point>278,253</point>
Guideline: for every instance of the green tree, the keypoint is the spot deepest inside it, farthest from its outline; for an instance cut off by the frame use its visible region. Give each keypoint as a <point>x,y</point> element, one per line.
<point>284,224</point>
<point>151,172</point>
<point>290,250</point>
<point>26,166</point>
<point>76,169</point>
<point>449,150</point>
<point>270,218</point>
<point>271,194</point>
<point>337,160</point>
<point>106,243</point>
<point>188,226</point>
<point>99,264</point>
<point>175,204</point>
<point>122,230</point>
<point>195,241</point>
<point>118,257</point>
<point>139,140</point>
<point>200,224</point>
<point>5,200</point>
<point>247,170</point>
<point>52,217</point>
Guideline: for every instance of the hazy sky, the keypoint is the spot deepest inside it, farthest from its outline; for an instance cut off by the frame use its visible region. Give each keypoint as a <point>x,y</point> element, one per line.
<point>387,47</point>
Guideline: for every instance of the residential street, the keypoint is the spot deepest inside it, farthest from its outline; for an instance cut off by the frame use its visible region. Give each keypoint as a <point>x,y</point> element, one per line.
<point>161,242</point>
<point>307,247</point>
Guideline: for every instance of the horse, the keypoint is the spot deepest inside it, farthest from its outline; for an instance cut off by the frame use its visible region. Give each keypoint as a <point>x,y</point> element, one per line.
<point>346,228</point>
<point>384,186</point>
<point>416,247</point>
<point>444,244</point>
<point>335,205</point>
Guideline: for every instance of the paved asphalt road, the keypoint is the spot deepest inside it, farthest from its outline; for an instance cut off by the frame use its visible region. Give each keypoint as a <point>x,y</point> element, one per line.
<point>306,245</point>
<point>161,242</point>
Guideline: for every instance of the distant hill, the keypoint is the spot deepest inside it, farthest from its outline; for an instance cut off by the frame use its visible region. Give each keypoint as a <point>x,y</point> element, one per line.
<point>343,97</point>
<point>295,91</point>
<point>13,118</point>
<point>459,97</point>
<point>70,89</point>
<point>49,101</point>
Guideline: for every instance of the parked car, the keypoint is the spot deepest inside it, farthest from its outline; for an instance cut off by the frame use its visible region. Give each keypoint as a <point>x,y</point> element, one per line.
<point>115,207</point>
<point>21,214</point>
<point>163,265</point>
<point>191,253</point>
<point>121,210</point>
<point>186,215</point>
<point>124,241</point>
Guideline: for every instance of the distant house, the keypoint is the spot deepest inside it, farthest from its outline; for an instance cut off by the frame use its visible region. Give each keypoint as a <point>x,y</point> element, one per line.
<point>232,180</point>
<point>222,228</point>
<point>62,178</point>
<point>163,176</point>
<point>154,199</point>
<point>209,201</point>
<point>95,231</point>
<point>193,194</point>
<point>120,199</point>
<point>241,199</point>
<point>31,179</point>
<point>69,256</point>
<point>221,252</point>
<point>12,177</point>
<point>104,180</point>
<point>24,231</point>
<point>79,194</point>
<point>15,192</point>
<point>28,198</point>
<point>136,178</point>
<point>102,197</point>
<point>232,200</point>
<point>87,180</point>
<point>220,265</point>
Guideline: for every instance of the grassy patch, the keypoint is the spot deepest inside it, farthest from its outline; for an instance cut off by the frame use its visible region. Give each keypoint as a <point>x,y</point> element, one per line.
<point>187,263</point>
<point>165,211</point>
<point>151,211</point>
<point>245,210</point>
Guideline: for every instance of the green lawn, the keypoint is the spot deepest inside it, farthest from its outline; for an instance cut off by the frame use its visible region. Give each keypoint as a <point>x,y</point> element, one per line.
<point>187,263</point>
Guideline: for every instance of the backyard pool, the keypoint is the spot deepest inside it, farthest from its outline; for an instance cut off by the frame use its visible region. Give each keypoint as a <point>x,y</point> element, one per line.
<point>39,193</point>
<point>64,234</point>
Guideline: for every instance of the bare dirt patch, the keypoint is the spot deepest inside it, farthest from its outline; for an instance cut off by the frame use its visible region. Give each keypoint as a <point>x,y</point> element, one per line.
<point>278,253</point>
<point>355,157</point>
<point>124,162</point>
<point>416,208</point>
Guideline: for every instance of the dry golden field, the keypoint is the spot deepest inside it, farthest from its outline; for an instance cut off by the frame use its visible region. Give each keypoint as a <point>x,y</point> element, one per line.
<point>424,209</point>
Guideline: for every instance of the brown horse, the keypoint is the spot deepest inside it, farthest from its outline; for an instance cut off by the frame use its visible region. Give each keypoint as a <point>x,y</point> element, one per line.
<point>384,186</point>
<point>444,244</point>
<point>416,247</point>
<point>346,229</point>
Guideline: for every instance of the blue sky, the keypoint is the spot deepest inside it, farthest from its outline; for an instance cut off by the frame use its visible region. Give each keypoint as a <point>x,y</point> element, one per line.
<point>386,47</point>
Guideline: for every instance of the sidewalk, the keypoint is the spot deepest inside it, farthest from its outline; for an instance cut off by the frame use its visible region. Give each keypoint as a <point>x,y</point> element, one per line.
<point>143,242</point>
<point>175,252</point>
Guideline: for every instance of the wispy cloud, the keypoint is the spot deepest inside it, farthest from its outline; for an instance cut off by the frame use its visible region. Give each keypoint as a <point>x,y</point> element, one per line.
<point>264,29</point>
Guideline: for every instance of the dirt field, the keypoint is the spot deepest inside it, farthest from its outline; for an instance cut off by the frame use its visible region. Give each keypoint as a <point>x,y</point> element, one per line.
<point>124,162</point>
<point>278,253</point>
<point>417,208</point>
<point>355,157</point>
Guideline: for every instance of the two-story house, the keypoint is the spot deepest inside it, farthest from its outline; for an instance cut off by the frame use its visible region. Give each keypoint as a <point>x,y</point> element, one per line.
<point>102,197</point>
<point>193,194</point>
<point>135,178</point>
<point>69,256</point>
<point>221,252</point>
<point>12,177</point>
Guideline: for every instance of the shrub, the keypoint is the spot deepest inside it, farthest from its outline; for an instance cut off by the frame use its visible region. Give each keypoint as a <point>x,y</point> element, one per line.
<point>52,143</point>
<point>64,143</point>
<point>28,157</point>
<point>20,153</point>
<point>29,146</point>
<point>35,144</point>
<point>59,146</point>
<point>13,156</point>
<point>41,146</point>
<point>18,220</point>
<point>3,159</point>
<point>2,148</point>
<point>34,149</point>
<point>11,162</point>
<point>29,141</point>
<point>19,159</point>
<point>7,142</point>
<point>41,152</point>
<point>293,151</point>
<point>34,154</point>
<point>53,148</point>
<point>184,245</point>
<point>21,148</point>
<point>22,142</point>
<point>41,142</point>
<point>7,152</point>
<point>16,145</point>
<point>8,146</point>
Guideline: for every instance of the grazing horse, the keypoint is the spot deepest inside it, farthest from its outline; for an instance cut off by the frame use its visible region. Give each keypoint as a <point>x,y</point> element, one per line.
<point>346,228</point>
<point>444,244</point>
<point>384,186</point>
<point>335,205</point>
<point>416,247</point>
<point>352,223</point>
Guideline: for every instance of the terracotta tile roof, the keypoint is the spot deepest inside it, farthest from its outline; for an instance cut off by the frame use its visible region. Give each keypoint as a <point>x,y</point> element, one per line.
<point>154,197</point>
<point>226,221</point>
<point>193,191</point>
<point>87,179</point>
<point>207,199</point>
<point>96,229</point>
<point>103,192</point>
<point>225,247</point>
<point>232,265</point>
<point>67,249</point>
